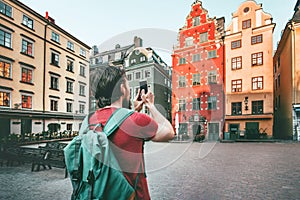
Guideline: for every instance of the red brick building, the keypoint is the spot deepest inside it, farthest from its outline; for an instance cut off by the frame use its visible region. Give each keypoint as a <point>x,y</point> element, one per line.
<point>197,78</point>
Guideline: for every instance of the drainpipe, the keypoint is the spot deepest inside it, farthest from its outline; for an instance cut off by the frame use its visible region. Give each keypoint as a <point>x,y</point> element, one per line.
<point>293,61</point>
<point>44,74</point>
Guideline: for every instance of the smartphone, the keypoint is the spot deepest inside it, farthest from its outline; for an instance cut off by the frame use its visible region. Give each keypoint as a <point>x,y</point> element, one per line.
<point>143,86</point>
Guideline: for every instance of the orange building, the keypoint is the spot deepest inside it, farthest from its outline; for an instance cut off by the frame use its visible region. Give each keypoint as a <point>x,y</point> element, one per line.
<point>249,72</point>
<point>197,77</point>
<point>287,80</point>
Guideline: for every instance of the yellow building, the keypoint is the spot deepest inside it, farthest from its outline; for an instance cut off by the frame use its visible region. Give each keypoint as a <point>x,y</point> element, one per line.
<point>44,73</point>
<point>287,80</point>
<point>249,72</point>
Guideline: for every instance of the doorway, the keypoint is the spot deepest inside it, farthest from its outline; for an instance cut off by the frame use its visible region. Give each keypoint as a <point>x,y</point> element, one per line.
<point>252,130</point>
<point>213,131</point>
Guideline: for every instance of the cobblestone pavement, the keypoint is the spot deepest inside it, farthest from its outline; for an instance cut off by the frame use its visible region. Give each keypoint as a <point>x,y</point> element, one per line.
<point>185,171</point>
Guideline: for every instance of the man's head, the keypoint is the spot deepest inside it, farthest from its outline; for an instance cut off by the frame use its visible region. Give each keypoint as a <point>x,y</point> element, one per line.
<point>110,84</point>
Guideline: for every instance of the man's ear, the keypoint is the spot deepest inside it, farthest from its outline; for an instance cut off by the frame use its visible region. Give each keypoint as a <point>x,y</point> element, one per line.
<point>122,88</point>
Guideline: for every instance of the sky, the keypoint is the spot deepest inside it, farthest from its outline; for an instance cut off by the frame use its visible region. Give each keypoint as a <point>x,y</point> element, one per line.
<point>107,23</point>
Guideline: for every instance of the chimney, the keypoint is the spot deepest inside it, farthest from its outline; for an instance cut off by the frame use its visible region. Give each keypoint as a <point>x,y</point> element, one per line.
<point>50,19</point>
<point>138,42</point>
<point>95,50</point>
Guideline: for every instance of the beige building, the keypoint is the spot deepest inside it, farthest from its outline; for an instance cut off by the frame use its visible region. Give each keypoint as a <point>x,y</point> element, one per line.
<point>44,73</point>
<point>287,80</point>
<point>249,72</point>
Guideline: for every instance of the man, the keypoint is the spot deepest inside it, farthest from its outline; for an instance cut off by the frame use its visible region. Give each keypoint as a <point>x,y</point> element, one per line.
<point>112,92</point>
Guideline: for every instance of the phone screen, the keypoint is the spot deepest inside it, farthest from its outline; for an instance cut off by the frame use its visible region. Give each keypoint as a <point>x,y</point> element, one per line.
<point>143,86</point>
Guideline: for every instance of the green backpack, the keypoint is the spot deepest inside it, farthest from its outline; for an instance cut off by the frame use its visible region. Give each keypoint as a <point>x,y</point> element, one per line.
<point>93,168</point>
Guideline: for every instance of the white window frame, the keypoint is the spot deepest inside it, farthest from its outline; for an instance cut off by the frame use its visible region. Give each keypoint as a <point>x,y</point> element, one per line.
<point>27,21</point>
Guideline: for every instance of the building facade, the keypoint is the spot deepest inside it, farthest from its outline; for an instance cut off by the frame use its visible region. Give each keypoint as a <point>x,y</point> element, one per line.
<point>44,73</point>
<point>249,72</point>
<point>197,78</point>
<point>287,80</point>
<point>144,64</point>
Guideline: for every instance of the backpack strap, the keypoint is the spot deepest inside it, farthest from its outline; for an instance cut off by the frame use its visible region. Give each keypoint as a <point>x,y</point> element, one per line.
<point>116,119</point>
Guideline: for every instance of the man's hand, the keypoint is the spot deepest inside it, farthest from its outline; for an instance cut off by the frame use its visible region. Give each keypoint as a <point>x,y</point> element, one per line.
<point>138,105</point>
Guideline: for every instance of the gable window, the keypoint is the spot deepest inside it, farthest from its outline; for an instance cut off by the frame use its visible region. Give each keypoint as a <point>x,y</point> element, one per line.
<point>256,39</point>
<point>82,70</point>
<point>236,85</point>
<point>212,103</point>
<point>257,107</point>
<point>203,37</point>
<point>70,45</point>
<point>53,105</point>
<point>70,65</point>
<point>257,83</point>
<point>69,107</point>
<point>196,57</point>
<point>236,108</point>
<point>4,98</point>
<point>236,44</point>
<point>212,54</point>
<point>189,41</point>
<point>257,59</point>
<point>182,61</point>
<point>27,22</point>
<point>5,69</point>
<point>246,24</point>
<point>196,79</point>
<point>54,82</point>
<point>55,59</point>
<point>5,38</point>
<point>196,103</point>
<point>196,21</point>
<point>212,77</point>
<point>27,47</point>
<point>26,75</point>
<point>236,63</point>
<point>26,101</point>
<point>182,81</point>
<point>69,86</point>
<point>5,9</point>
<point>182,105</point>
<point>55,37</point>
<point>82,52</point>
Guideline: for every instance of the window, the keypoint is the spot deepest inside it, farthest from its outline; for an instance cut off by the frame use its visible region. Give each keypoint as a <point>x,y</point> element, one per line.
<point>182,81</point>
<point>5,69</point>
<point>236,108</point>
<point>212,103</point>
<point>5,38</point>
<point>137,75</point>
<point>257,83</point>
<point>257,107</point>
<point>196,79</point>
<point>196,21</point>
<point>69,107</point>
<point>82,70</point>
<point>212,54</point>
<point>26,75</point>
<point>189,41</point>
<point>257,59</point>
<point>53,105</point>
<point>182,61</point>
<point>82,52</point>
<point>4,99</point>
<point>212,77</point>
<point>147,74</point>
<point>27,22</point>
<point>69,86</point>
<point>236,44</point>
<point>278,80</point>
<point>70,65</point>
<point>142,58</point>
<point>70,45</point>
<point>196,103</point>
<point>129,77</point>
<point>5,9</point>
<point>182,105</point>
<point>81,108</point>
<point>236,85</point>
<point>27,47</point>
<point>54,82</point>
<point>82,90</point>
<point>26,101</point>
<point>55,37</point>
<point>246,23</point>
<point>196,57</point>
<point>256,39</point>
<point>203,37</point>
<point>54,59</point>
<point>236,63</point>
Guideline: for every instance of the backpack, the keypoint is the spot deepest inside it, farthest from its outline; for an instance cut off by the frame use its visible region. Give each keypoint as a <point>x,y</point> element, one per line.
<point>93,168</point>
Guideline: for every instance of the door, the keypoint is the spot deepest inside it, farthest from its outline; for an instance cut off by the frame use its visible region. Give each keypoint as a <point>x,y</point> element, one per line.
<point>4,128</point>
<point>234,130</point>
<point>26,127</point>
<point>196,129</point>
<point>213,131</point>
<point>252,130</point>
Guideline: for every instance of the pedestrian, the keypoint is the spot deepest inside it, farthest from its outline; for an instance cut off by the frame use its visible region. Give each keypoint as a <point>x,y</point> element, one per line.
<point>112,91</point>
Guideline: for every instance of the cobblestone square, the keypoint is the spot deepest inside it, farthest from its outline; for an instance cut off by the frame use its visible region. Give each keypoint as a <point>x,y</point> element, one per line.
<point>185,171</point>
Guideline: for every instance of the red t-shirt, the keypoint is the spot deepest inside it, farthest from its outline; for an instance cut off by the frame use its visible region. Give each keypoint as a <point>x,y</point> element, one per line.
<point>128,144</point>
